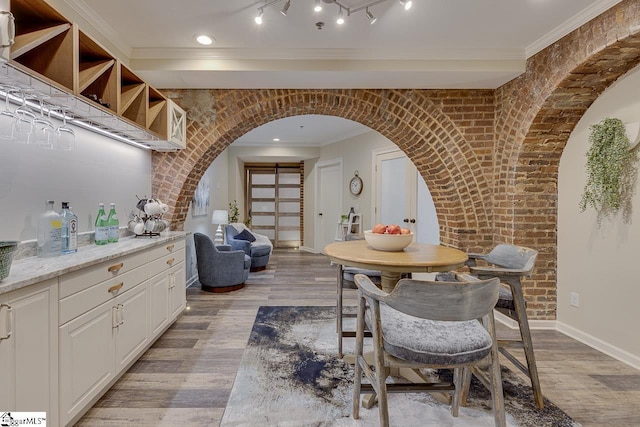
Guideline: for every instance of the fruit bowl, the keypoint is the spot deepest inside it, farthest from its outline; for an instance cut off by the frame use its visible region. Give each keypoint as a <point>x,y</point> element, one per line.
<point>388,242</point>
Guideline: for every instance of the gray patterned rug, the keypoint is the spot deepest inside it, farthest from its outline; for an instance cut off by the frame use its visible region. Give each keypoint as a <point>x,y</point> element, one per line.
<point>290,376</point>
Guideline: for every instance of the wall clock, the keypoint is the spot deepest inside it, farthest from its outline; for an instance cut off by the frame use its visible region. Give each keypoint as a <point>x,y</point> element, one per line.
<point>355,185</point>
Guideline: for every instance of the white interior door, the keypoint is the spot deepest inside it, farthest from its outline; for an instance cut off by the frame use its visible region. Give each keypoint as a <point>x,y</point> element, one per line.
<point>329,206</point>
<point>403,198</point>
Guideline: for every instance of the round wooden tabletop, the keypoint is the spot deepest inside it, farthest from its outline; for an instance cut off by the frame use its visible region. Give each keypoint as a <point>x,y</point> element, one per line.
<point>417,257</point>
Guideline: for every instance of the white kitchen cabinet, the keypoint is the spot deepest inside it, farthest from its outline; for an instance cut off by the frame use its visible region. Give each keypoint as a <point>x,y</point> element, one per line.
<point>159,296</point>
<point>86,359</point>
<point>29,350</point>
<point>177,289</point>
<point>130,334</point>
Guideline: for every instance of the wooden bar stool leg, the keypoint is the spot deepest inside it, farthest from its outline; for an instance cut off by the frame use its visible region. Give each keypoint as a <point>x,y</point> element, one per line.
<point>525,334</point>
<point>339,309</point>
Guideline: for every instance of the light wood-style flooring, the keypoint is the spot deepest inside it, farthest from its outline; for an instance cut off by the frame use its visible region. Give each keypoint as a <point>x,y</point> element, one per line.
<point>185,378</point>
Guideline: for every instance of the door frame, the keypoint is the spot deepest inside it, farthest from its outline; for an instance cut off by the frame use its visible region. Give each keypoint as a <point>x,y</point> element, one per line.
<point>316,226</point>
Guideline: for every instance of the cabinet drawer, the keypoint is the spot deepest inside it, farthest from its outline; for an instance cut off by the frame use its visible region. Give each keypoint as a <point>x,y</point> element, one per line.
<point>166,262</point>
<point>83,301</point>
<point>166,248</point>
<point>87,277</point>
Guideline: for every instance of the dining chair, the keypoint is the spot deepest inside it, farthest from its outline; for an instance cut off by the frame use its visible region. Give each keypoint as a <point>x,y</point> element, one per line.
<point>510,263</point>
<point>428,324</point>
<point>345,280</point>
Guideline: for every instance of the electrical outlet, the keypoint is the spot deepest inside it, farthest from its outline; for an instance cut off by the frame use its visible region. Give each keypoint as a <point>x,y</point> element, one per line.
<point>575,299</point>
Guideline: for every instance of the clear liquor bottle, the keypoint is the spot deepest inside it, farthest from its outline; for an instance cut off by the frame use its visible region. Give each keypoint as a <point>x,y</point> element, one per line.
<point>69,229</point>
<point>102,229</point>
<point>114,224</point>
<point>49,232</point>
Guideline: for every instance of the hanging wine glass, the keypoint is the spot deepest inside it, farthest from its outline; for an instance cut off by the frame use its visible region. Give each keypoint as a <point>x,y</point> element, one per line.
<point>22,129</point>
<point>7,117</point>
<point>44,133</point>
<point>65,137</point>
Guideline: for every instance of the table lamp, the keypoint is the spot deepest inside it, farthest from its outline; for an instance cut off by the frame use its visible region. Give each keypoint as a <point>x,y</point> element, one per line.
<point>219,217</point>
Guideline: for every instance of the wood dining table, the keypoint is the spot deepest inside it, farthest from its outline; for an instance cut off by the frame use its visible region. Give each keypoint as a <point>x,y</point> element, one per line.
<point>415,258</point>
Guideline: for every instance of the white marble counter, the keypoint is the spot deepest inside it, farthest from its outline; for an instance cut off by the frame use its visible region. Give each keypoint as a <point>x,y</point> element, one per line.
<point>27,271</point>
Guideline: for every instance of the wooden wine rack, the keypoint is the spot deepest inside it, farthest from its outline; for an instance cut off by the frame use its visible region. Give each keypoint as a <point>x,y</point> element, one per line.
<point>55,58</point>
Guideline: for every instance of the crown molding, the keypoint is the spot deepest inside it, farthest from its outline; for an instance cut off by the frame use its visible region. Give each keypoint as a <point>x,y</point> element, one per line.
<point>570,25</point>
<point>329,54</point>
<point>83,10</point>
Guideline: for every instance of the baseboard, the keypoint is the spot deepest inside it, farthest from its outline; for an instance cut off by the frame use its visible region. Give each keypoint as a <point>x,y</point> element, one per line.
<point>307,249</point>
<point>192,280</point>
<point>596,343</point>
<point>550,325</point>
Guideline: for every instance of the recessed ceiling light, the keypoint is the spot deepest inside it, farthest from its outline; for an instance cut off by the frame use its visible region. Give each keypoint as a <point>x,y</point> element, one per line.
<point>204,39</point>
<point>276,139</point>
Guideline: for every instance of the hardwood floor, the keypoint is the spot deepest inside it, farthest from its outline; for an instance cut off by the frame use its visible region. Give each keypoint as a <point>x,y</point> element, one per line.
<point>185,378</point>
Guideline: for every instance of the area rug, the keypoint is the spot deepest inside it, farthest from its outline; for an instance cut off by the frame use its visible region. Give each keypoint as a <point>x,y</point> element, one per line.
<point>290,375</point>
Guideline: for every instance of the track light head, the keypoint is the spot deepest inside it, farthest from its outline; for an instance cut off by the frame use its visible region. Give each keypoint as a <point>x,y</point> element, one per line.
<point>340,19</point>
<point>406,4</point>
<point>318,6</point>
<point>285,8</point>
<point>372,19</point>
<point>258,18</point>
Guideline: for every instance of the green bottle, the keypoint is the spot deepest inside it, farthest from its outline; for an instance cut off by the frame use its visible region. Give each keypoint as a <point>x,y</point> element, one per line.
<point>114,224</point>
<point>102,229</point>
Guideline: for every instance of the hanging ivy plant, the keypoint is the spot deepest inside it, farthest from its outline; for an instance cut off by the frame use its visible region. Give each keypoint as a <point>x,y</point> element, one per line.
<point>611,170</point>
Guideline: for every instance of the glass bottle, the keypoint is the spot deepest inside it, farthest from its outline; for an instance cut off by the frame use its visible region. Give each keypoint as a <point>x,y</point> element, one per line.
<point>102,229</point>
<point>49,232</point>
<point>69,229</point>
<point>114,224</point>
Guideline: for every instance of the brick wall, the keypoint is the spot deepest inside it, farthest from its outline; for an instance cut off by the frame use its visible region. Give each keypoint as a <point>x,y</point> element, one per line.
<point>490,158</point>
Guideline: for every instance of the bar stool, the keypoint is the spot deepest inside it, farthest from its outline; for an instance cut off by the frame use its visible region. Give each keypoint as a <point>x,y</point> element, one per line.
<point>510,263</point>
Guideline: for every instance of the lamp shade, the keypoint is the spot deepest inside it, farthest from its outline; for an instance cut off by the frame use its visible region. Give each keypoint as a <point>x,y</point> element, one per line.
<point>220,217</point>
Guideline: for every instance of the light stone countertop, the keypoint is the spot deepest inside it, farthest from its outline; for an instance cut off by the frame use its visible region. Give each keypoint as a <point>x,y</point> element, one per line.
<point>31,270</point>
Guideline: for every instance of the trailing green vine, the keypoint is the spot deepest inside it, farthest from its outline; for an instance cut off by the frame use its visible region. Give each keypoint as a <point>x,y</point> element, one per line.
<point>611,171</point>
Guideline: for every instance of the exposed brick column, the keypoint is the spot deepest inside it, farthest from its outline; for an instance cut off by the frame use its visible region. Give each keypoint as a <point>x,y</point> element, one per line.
<point>447,134</point>
<point>536,114</point>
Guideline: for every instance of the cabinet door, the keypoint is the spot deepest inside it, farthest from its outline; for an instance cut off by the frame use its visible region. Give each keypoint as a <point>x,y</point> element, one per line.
<point>86,359</point>
<point>28,354</point>
<point>131,333</point>
<point>177,290</point>
<point>159,303</point>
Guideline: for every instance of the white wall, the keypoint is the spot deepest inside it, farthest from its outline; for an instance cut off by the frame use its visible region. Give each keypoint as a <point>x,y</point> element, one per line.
<point>599,263</point>
<point>217,175</point>
<point>98,170</point>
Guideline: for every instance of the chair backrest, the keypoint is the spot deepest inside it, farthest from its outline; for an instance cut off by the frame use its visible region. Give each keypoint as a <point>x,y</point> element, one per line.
<point>204,246</point>
<point>512,256</point>
<point>450,301</point>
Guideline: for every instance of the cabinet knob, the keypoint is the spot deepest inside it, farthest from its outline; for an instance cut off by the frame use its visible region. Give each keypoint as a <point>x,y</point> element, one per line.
<point>170,248</point>
<point>8,330</point>
<point>406,220</point>
<point>413,220</point>
<point>115,268</point>
<point>116,288</point>
<point>171,261</point>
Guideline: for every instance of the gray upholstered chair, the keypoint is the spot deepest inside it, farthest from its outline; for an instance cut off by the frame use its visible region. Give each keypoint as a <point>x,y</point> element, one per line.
<point>428,324</point>
<point>220,269</point>
<point>257,246</point>
<point>510,263</point>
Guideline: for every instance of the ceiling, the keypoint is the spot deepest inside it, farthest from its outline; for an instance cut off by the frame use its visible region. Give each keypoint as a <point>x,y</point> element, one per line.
<point>441,44</point>
<point>437,44</point>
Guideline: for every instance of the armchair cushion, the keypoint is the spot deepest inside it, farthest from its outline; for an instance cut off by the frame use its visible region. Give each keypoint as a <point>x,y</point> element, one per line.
<point>245,235</point>
<point>259,250</point>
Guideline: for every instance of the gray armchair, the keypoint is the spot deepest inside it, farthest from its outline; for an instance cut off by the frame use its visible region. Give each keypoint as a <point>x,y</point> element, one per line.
<point>220,269</point>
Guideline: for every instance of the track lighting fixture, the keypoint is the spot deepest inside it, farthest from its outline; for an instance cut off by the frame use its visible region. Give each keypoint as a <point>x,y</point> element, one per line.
<point>342,11</point>
<point>285,8</point>
<point>372,19</point>
<point>406,4</point>
<point>340,19</point>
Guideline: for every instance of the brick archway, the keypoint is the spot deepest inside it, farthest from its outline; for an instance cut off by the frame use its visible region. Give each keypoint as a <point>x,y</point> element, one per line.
<point>430,126</point>
<point>537,113</point>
